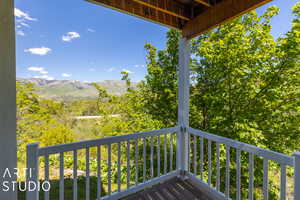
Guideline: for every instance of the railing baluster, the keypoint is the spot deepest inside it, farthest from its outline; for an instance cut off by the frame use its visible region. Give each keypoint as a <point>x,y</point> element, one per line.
<point>171,152</point>
<point>297,176</point>
<point>46,175</point>
<point>209,161</point>
<point>189,151</point>
<point>195,155</point>
<point>87,174</point>
<point>165,152</point>
<point>158,155</point>
<point>119,167</point>
<point>218,166</point>
<point>266,179</point>
<point>227,184</point>
<point>144,158</point>
<point>283,182</point>
<point>238,174</point>
<point>251,175</point>
<point>128,164</point>
<point>109,168</point>
<point>136,162</point>
<point>61,176</point>
<point>201,156</point>
<point>75,194</point>
<point>99,172</point>
<point>151,157</point>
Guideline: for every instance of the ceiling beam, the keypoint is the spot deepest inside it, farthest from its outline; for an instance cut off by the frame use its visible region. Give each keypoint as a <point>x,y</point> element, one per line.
<point>219,14</point>
<point>161,9</point>
<point>203,2</point>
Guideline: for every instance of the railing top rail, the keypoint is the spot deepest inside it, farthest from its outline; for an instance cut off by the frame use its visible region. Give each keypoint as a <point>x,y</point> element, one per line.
<point>271,155</point>
<point>103,141</point>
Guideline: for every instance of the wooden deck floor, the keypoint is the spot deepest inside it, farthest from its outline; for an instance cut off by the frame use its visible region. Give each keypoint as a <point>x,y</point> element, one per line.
<point>173,189</point>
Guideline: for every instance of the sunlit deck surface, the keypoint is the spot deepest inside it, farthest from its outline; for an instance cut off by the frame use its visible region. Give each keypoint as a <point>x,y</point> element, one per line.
<point>173,189</point>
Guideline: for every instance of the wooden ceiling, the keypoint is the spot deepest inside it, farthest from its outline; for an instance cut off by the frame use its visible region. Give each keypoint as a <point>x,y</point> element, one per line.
<point>193,17</point>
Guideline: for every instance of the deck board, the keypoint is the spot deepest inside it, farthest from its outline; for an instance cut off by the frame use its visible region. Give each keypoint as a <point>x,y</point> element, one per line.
<point>173,189</point>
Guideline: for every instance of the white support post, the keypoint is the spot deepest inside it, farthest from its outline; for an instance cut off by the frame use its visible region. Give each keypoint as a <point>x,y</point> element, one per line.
<point>183,104</point>
<point>32,174</point>
<point>297,176</point>
<point>8,146</point>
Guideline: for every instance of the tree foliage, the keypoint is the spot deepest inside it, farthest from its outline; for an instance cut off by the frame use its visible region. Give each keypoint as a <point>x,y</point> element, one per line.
<point>39,120</point>
<point>245,83</point>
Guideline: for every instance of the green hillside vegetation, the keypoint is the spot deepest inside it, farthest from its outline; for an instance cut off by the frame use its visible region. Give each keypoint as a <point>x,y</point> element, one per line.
<point>245,86</point>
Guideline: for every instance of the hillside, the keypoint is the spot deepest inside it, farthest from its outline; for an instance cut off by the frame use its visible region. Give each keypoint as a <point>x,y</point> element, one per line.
<point>72,89</point>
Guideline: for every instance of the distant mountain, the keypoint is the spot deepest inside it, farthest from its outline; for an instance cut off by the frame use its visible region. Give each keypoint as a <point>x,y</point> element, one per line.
<point>71,89</point>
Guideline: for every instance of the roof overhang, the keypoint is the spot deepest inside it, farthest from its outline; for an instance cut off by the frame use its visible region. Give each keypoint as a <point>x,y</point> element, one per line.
<point>193,17</point>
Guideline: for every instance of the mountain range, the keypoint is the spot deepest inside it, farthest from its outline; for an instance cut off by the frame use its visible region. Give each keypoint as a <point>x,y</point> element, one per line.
<point>73,89</point>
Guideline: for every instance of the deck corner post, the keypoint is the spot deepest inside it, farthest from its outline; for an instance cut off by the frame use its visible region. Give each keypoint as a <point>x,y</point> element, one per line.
<point>32,173</point>
<point>183,104</point>
<point>297,176</point>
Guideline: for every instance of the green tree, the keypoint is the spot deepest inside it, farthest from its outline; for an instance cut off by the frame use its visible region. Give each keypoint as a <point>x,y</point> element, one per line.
<point>247,83</point>
<point>160,87</point>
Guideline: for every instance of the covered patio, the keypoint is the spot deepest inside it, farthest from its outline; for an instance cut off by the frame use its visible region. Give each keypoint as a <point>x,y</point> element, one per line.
<point>180,173</point>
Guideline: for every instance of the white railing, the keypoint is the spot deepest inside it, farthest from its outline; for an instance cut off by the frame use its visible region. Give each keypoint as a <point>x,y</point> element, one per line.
<point>161,150</point>
<point>204,141</point>
<point>153,144</point>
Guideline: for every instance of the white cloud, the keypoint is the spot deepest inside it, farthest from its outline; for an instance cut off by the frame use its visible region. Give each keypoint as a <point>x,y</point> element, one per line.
<point>66,75</point>
<point>127,71</point>
<point>137,66</point>
<point>92,70</point>
<point>38,51</point>
<point>91,30</point>
<point>24,24</point>
<point>46,77</point>
<point>111,69</point>
<point>43,72</point>
<point>22,19</point>
<point>70,36</point>
<point>23,15</point>
<point>21,33</point>
<point>40,70</point>
<point>35,69</point>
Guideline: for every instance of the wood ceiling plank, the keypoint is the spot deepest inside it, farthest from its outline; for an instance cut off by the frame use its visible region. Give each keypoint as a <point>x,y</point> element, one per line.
<point>161,9</point>
<point>203,2</point>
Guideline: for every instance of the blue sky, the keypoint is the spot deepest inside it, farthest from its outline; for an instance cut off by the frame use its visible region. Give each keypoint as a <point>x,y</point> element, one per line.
<point>74,39</point>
